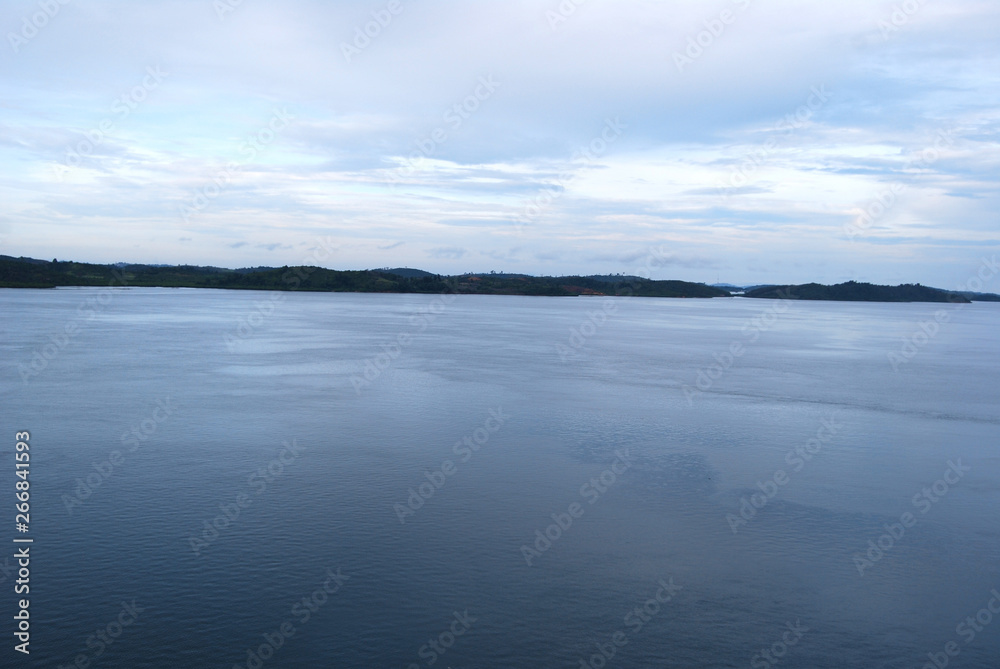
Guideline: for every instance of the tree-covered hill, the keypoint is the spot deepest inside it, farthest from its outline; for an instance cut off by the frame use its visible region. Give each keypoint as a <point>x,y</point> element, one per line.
<point>853,291</point>
<point>31,273</point>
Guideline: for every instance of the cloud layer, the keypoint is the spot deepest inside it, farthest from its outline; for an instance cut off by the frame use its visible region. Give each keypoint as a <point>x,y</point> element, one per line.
<point>757,141</point>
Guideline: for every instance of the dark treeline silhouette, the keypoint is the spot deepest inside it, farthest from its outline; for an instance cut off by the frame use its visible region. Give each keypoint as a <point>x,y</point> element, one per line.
<point>30,273</point>
<point>853,291</point>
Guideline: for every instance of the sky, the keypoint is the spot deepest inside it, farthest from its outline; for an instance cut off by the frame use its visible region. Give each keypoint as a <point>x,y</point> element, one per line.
<point>742,141</point>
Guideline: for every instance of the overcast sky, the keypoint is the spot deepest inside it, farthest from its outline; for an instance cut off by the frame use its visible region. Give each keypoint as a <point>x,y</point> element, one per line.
<point>744,139</point>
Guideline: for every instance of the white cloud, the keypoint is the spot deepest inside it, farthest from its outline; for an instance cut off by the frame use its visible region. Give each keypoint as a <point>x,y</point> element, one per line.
<point>360,123</point>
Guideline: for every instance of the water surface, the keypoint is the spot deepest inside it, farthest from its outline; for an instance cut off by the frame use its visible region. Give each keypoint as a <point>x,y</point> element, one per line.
<point>213,401</point>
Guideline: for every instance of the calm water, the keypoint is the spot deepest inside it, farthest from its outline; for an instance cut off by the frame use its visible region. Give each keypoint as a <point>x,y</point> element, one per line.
<point>211,404</point>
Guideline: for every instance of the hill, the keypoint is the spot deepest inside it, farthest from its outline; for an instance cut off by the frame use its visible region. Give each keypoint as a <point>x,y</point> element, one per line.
<point>31,273</point>
<point>406,272</point>
<point>853,291</point>
<point>980,297</point>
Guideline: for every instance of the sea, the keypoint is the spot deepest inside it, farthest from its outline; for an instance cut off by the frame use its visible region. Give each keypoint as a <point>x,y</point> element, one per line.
<point>255,479</point>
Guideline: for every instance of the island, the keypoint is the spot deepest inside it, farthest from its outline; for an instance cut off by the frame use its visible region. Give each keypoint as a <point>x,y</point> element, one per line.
<point>852,291</point>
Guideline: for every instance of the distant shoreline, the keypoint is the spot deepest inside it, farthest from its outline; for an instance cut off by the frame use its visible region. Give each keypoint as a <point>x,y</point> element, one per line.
<point>41,274</point>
